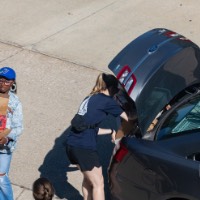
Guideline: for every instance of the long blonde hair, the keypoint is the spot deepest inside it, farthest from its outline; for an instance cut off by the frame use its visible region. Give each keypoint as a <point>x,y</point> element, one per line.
<point>99,86</point>
<point>105,81</point>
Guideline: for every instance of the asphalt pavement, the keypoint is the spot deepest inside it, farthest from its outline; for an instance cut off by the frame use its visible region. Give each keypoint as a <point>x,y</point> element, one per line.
<point>58,47</point>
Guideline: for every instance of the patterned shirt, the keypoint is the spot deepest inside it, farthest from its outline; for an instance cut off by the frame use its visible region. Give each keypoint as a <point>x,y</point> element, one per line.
<point>14,122</point>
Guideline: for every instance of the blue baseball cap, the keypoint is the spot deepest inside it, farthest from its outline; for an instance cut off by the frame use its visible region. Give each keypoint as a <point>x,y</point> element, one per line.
<point>8,73</point>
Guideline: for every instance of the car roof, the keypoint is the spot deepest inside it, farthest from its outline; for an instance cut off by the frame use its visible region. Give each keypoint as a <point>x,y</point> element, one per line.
<point>160,63</point>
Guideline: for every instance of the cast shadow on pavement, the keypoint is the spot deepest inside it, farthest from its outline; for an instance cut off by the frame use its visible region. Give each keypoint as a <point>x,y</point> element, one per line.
<point>56,165</point>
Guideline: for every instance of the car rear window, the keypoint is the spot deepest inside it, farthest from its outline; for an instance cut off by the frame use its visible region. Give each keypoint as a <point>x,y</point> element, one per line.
<point>184,119</point>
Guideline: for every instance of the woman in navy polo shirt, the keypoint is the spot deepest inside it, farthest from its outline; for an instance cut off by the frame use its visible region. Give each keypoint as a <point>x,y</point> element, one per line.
<point>82,146</point>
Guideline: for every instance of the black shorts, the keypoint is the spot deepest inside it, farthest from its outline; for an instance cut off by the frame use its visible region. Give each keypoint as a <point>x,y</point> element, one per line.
<point>87,159</point>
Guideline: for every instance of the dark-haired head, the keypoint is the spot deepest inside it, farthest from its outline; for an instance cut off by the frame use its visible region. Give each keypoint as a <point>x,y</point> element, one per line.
<point>43,189</point>
<point>111,83</point>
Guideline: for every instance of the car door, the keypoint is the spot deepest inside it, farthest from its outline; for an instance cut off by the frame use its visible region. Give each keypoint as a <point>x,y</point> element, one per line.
<point>156,170</point>
<point>164,167</point>
<point>179,134</point>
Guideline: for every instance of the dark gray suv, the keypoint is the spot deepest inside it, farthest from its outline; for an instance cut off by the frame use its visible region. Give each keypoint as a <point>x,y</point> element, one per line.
<point>157,69</point>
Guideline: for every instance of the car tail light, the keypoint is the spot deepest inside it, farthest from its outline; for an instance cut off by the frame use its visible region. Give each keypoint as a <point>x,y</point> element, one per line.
<point>123,75</point>
<point>121,152</point>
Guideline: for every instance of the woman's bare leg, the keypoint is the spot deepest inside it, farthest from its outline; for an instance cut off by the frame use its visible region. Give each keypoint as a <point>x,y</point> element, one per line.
<point>87,189</point>
<point>95,178</point>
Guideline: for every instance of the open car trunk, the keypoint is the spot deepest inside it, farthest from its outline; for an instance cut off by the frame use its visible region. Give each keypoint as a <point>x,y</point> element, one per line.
<point>153,69</point>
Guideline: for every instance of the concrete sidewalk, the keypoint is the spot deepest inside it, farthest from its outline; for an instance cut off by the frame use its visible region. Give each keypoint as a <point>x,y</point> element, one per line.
<point>21,193</point>
<point>57,49</point>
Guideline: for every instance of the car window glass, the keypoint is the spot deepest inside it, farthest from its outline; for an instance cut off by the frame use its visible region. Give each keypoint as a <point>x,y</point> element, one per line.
<point>182,120</point>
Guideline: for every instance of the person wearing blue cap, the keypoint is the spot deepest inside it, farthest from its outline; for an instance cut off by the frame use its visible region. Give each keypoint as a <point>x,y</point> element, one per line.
<point>11,126</point>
